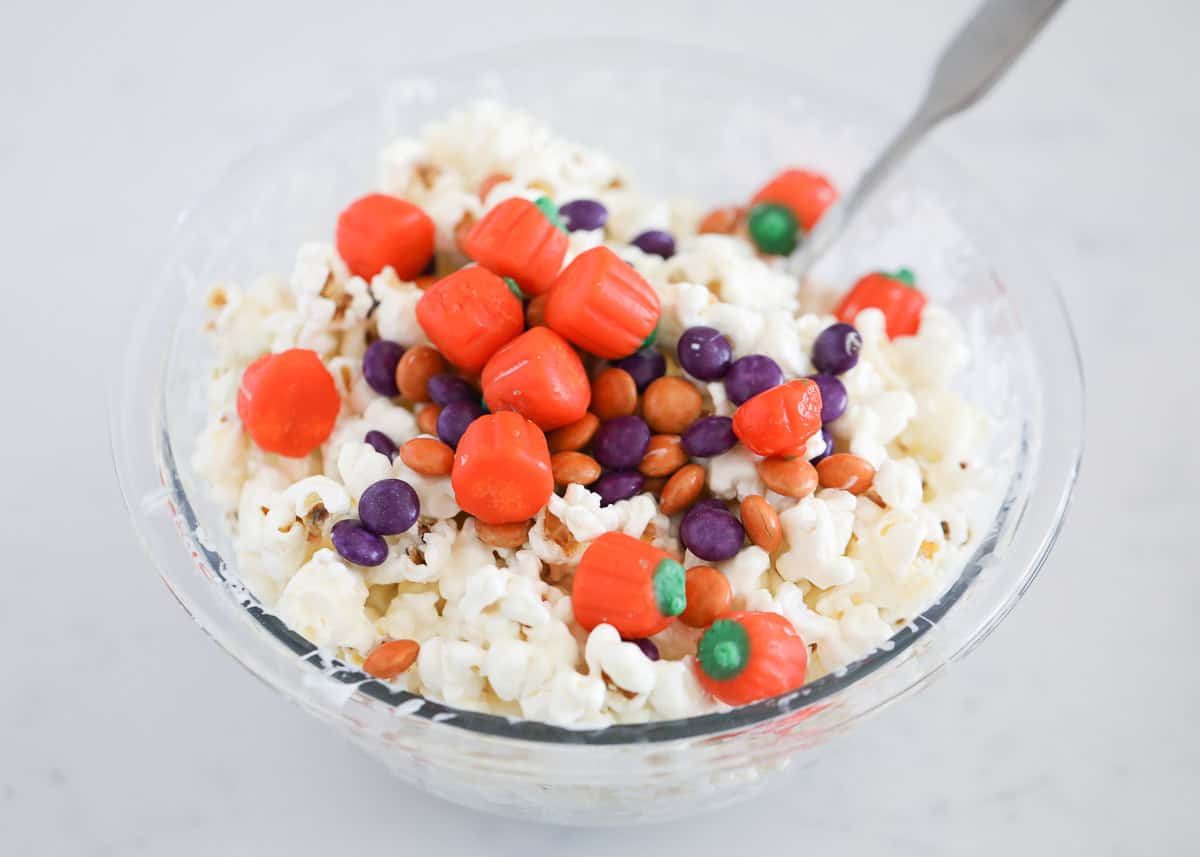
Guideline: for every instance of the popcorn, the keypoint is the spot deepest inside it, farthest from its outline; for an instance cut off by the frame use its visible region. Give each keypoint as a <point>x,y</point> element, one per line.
<point>361,467</point>
<point>733,475</point>
<point>624,663</point>
<point>817,531</point>
<point>324,602</point>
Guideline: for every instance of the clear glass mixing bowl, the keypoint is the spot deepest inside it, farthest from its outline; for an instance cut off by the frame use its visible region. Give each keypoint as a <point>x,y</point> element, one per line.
<point>690,123</point>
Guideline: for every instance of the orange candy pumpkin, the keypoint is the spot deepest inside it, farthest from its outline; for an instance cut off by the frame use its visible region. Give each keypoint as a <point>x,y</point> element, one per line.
<point>895,295</point>
<point>380,230</point>
<point>780,421</point>
<point>515,239</point>
<point>539,376</point>
<point>806,194</point>
<point>501,472</point>
<point>624,582</point>
<point>600,303</point>
<point>288,402</point>
<point>469,315</point>
<point>750,656</point>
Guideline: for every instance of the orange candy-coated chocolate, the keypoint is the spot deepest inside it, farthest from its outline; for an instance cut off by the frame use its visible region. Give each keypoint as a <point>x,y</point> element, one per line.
<point>515,239</point>
<point>749,656</point>
<point>806,194</point>
<point>380,230</point>
<point>624,582</point>
<point>780,421</point>
<point>469,315</point>
<point>501,472</point>
<point>600,303</point>
<point>288,402</point>
<point>900,302</point>
<point>539,376</point>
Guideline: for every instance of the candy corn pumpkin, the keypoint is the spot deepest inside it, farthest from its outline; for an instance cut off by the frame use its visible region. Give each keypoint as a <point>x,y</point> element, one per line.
<point>633,586</point>
<point>806,194</point>
<point>378,231</point>
<point>469,315</point>
<point>600,303</point>
<point>516,239</point>
<point>749,656</point>
<point>780,421</point>
<point>539,376</point>
<point>501,472</point>
<point>288,402</point>
<point>895,295</point>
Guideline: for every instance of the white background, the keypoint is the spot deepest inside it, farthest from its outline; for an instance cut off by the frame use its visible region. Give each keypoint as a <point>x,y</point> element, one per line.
<point>123,730</point>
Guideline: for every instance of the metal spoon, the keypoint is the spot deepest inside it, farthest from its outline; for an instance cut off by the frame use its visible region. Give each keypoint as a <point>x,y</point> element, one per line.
<point>974,60</point>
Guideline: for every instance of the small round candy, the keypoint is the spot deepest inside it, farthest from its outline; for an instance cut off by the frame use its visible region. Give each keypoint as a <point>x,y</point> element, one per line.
<point>709,436</point>
<point>583,215</point>
<point>620,443</point>
<point>382,443</point>
<point>446,388</point>
<point>827,436</point>
<point>836,349</point>
<point>750,375</point>
<point>655,242</point>
<point>454,419</point>
<point>379,366</point>
<point>389,507</point>
<point>711,534</point>
<point>704,353</point>
<point>356,544</point>
<point>647,646</point>
<point>709,503</point>
<point>617,485</point>
<point>773,228</point>
<point>833,396</point>
<point>644,366</point>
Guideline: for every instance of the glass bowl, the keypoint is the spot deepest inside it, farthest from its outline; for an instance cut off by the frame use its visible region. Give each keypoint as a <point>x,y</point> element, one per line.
<point>688,122</point>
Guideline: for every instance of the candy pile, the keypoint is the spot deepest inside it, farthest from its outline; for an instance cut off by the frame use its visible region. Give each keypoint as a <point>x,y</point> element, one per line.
<point>527,368</point>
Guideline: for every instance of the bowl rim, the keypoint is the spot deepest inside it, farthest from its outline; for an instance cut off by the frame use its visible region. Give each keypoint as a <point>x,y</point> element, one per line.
<point>789,705</point>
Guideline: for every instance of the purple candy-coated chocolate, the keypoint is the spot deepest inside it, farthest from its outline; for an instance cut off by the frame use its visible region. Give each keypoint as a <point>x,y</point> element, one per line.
<point>447,388</point>
<point>656,242</point>
<point>708,503</point>
<point>620,443</point>
<point>617,485</point>
<point>709,436</point>
<point>751,375</point>
<point>836,349</point>
<point>356,544</point>
<point>833,396</point>
<point>389,507</point>
<point>379,366</point>
<point>644,366</point>
<point>704,353</point>
<point>647,646</point>
<point>827,435</point>
<point>583,214</point>
<point>452,422</point>
<point>382,443</point>
<point>711,534</point>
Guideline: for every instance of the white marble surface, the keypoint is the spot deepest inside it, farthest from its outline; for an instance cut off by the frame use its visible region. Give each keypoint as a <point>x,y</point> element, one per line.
<point>124,730</point>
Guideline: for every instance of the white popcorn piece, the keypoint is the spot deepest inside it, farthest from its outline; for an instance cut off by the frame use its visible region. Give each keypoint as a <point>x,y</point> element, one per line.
<point>624,663</point>
<point>898,483</point>
<point>817,531</point>
<point>733,475</point>
<point>361,467</point>
<point>325,600</point>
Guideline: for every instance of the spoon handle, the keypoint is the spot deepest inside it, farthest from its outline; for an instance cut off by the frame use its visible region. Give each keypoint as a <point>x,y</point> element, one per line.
<point>969,66</point>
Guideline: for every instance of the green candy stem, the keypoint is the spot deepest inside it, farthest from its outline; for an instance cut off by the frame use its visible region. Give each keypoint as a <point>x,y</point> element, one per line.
<point>773,228</point>
<point>514,288</point>
<point>906,276</point>
<point>670,587</point>
<point>548,208</point>
<point>724,650</point>
<point>649,340</point>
